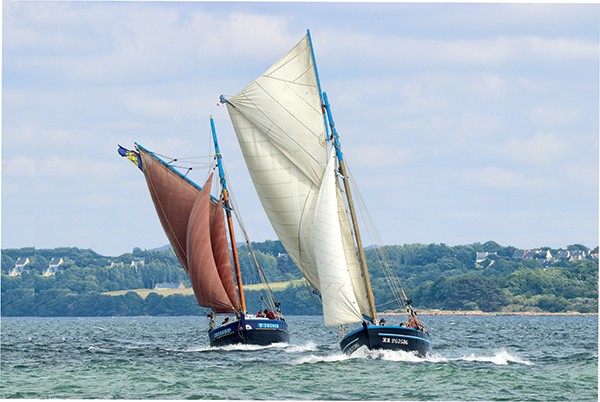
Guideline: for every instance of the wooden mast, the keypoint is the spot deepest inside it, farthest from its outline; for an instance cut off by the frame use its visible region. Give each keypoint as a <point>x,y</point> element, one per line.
<point>236,260</point>
<point>328,118</point>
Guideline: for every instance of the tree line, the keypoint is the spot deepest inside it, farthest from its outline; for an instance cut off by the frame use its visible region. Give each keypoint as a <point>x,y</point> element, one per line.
<point>434,276</point>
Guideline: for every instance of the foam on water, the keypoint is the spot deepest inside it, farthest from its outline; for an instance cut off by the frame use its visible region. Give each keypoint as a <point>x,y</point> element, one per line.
<point>499,358</point>
<point>286,347</point>
<point>335,357</point>
<point>305,347</point>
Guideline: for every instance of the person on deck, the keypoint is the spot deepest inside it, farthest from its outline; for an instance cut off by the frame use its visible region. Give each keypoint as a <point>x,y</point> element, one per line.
<point>413,322</point>
<point>259,314</point>
<point>269,314</point>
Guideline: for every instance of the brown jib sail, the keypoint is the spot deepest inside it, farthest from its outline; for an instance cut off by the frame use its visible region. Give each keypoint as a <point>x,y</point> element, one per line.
<point>194,224</point>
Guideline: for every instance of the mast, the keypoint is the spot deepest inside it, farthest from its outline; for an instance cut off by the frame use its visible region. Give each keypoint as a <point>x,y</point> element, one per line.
<point>236,260</point>
<point>328,118</point>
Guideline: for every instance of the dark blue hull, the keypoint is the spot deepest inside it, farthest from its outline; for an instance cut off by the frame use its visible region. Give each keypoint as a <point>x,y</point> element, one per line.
<point>387,338</point>
<point>254,331</point>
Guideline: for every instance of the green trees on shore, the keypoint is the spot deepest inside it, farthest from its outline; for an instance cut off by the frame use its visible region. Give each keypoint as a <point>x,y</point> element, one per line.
<point>435,276</point>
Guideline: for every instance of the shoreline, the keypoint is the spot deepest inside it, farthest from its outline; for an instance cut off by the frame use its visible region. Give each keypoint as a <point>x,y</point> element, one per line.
<point>492,313</point>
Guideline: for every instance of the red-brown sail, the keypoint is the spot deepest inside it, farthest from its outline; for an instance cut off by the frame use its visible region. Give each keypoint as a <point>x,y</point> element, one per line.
<point>221,254</point>
<point>173,198</point>
<point>206,281</point>
<point>194,225</point>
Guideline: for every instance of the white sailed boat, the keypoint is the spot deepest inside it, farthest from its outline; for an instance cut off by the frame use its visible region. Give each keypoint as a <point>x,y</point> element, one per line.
<point>287,135</point>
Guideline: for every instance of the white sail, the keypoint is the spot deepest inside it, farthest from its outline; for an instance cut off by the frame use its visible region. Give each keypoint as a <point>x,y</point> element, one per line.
<point>356,276</point>
<point>280,128</point>
<point>339,302</point>
<point>278,120</point>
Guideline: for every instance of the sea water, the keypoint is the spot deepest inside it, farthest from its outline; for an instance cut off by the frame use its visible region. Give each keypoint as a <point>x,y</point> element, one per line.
<point>511,358</point>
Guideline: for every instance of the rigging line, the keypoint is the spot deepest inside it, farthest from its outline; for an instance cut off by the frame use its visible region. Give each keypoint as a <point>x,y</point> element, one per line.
<point>194,166</point>
<point>261,274</point>
<point>391,277</point>
<point>183,158</point>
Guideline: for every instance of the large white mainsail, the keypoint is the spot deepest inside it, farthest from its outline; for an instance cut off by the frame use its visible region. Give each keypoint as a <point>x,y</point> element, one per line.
<point>279,125</point>
<point>278,120</point>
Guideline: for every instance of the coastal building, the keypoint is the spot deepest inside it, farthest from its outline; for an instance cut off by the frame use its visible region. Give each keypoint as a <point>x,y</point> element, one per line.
<point>19,266</point>
<point>577,255</point>
<point>542,255</point>
<point>53,266</point>
<point>519,254</point>
<point>562,255</point>
<point>167,285</point>
<point>482,257</point>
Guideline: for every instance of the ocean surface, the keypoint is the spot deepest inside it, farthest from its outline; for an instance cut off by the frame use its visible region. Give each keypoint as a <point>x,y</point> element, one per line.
<point>508,358</point>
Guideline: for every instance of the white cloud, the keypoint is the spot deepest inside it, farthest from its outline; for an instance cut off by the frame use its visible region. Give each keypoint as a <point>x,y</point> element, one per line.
<point>487,97</point>
<point>554,115</point>
<point>493,177</point>
<point>397,50</point>
<point>19,167</point>
<point>541,148</point>
<point>163,107</point>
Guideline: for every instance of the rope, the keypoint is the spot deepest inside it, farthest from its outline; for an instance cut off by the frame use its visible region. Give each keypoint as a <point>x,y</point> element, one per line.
<point>390,275</point>
<point>273,305</point>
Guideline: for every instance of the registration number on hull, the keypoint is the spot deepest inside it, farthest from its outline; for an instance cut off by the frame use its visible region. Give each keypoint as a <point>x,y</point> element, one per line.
<point>396,341</point>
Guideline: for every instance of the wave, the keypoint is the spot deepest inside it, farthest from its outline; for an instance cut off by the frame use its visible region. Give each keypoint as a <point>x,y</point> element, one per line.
<point>286,347</point>
<point>96,349</point>
<point>312,359</point>
<point>499,358</point>
<point>306,347</point>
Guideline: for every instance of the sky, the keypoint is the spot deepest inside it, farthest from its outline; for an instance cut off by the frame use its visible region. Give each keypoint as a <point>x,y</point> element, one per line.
<point>461,123</point>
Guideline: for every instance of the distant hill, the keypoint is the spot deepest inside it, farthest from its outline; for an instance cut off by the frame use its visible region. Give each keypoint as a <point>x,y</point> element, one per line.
<point>488,277</point>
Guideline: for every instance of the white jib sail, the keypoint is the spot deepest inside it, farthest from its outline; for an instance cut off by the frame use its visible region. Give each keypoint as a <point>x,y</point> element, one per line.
<point>279,124</point>
<point>339,301</point>
<point>358,282</point>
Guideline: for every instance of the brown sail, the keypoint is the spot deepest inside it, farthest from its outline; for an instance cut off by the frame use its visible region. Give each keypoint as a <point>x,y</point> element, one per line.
<point>194,225</point>
<point>206,280</point>
<point>173,198</point>
<point>220,251</point>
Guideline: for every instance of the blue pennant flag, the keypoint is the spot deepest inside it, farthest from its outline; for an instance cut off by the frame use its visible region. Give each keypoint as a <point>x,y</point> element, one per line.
<point>132,156</point>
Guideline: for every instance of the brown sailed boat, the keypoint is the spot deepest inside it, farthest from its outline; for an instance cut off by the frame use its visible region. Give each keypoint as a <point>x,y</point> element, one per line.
<point>198,226</point>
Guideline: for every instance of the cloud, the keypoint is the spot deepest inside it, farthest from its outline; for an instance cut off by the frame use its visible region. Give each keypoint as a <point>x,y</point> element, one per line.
<point>159,106</point>
<point>541,148</point>
<point>432,102</point>
<point>493,177</point>
<point>19,167</point>
<point>554,115</point>
<point>84,42</point>
<point>398,51</point>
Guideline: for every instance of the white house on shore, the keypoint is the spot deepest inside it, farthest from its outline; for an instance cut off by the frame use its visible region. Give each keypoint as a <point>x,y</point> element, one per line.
<point>167,285</point>
<point>53,266</point>
<point>19,266</point>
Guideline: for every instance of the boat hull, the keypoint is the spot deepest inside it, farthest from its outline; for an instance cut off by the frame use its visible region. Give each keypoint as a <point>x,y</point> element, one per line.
<point>387,338</point>
<point>255,331</point>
